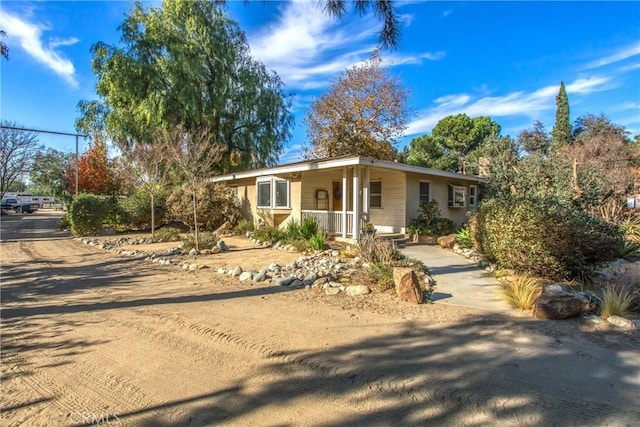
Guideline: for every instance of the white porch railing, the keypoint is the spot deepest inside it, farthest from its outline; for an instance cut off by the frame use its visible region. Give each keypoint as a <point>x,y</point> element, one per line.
<point>330,221</point>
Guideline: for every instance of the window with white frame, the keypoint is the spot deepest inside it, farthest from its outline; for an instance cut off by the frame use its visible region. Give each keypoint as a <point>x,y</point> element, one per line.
<point>272,193</point>
<point>457,196</point>
<point>473,195</point>
<point>425,191</point>
<point>375,197</point>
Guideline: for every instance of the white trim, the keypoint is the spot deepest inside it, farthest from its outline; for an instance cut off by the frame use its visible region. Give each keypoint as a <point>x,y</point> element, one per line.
<point>272,180</point>
<point>340,162</point>
<point>451,202</point>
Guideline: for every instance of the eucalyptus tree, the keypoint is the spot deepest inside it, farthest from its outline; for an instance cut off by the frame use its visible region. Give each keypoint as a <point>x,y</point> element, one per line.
<point>187,65</point>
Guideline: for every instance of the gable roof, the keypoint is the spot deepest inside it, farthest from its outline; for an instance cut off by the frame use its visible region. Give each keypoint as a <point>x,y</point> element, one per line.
<point>336,162</point>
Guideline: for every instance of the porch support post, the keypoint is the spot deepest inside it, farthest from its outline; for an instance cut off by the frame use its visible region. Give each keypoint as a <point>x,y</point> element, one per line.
<point>344,201</point>
<point>365,192</point>
<point>356,202</point>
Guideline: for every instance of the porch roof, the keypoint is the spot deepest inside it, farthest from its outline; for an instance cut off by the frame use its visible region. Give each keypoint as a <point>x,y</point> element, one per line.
<point>337,162</point>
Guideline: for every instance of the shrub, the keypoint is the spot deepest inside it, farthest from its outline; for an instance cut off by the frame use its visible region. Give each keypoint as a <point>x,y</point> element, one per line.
<point>522,291</point>
<point>375,250</point>
<point>382,275</point>
<point>617,301</point>
<point>430,222</point>
<point>64,222</point>
<point>168,234</point>
<point>542,239</point>
<point>137,209</point>
<point>115,215</point>
<point>308,228</point>
<point>269,234</point>
<point>243,226</point>
<point>87,213</point>
<point>207,240</point>
<point>293,230</point>
<point>630,227</point>
<point>215,204</point>
<point>464,238</point>
<point>299,245</point>
<point>317,241</point>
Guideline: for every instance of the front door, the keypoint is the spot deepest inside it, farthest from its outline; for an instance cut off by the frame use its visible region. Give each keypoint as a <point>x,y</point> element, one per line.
<point>337,195</point>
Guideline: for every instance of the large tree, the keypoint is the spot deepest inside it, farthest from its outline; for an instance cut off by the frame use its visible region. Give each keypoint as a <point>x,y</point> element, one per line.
<point>49,171</point>
<point>364,112</point>
<point>561,133</point>
<point>187,65</point>
<point>535,140</point>
<point>17,151</point>
<point>453,141</point>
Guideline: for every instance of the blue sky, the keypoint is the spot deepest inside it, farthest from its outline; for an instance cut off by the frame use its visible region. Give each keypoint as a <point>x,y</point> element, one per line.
<point>501,59</point>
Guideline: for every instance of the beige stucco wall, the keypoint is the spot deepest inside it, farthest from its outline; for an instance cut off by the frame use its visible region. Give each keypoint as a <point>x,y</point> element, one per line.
<point>440,193</point>
<point>390,218</point>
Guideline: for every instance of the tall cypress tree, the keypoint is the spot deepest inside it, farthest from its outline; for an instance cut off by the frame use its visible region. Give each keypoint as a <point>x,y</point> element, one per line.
<point>561,133</point>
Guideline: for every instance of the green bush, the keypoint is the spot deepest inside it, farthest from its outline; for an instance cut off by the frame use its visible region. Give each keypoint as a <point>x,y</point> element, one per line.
<point>464,238</point>
<point>87,213</point>
<point>269,234</point>
<point>308,228</point>
<point>168,234</point>
<point>137,210</point>
<point>318,241</point>
<point>430,222</point>
<point>243,226</point>
<point>207,240</point>
<point>293,230</point>
<point>543,239</point>
<point>382,275</point>
<point>64,222</point>
<point>115,215</point>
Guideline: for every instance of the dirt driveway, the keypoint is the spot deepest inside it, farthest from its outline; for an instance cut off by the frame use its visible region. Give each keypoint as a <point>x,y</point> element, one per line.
<point>89,336</point>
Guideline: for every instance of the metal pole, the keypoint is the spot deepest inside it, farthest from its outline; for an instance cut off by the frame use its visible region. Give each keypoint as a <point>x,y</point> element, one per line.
<point>76,164</point>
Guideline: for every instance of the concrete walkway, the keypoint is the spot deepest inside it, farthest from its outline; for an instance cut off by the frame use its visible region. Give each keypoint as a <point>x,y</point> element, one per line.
<point>458,281</point>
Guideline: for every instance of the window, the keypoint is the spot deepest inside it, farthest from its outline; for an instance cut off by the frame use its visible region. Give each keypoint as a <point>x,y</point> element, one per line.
<point>273,193</point>
<point>264,194</point>
<point>473,195</point>
<point>425,191</point>
<point>457,196</point>
<point>375,197</point>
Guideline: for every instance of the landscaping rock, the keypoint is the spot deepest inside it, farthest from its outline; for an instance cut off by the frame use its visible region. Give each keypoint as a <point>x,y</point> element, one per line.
<point>216,250</point>
<point>260,277</point>
<point>222,271</point>
<point>193,252</point>
<point>236,271</point>
<point>320,282</point>
<point>556,302</point>
<point>355,290</point>
<point>447,242</point>
<point>222,245</point>
<point>283,281</point>
<point>621,322</point>
<point>332,291</point>
<point>245,275</point>
<point>591,319</point>
<point>407,286</point>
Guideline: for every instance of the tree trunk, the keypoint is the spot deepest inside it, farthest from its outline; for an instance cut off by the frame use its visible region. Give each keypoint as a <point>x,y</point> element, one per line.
<point>195,219</point>
<point>153,217</point>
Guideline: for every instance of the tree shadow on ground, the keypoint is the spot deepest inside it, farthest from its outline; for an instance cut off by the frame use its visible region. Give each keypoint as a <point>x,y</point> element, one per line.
<point>463,374</point>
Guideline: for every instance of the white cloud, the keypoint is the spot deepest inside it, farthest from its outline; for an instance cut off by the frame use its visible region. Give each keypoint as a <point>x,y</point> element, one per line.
<point>56,42</point>
<point>519,103</point>
<point>621,55</point>
<point>630,67</point>
<point>307,48</point>
<point>29,36</point>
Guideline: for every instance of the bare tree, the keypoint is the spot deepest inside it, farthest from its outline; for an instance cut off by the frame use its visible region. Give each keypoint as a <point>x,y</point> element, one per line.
<point>4,49</point>
<point>148,166</point>
<point>18,148</point>
<point>194,153</point>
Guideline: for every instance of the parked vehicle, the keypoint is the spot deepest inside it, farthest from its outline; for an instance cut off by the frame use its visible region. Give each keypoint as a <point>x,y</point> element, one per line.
<point>30,207</point>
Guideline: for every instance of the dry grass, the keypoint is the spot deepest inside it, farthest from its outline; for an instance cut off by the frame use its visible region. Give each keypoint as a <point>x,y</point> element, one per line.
<point>522,291</point>
<point>617,301</point>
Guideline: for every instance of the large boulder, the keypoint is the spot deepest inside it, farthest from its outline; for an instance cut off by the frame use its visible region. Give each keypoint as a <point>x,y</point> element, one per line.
<point>407,286</point>
<point>558,302</point>
<point>447,242</point>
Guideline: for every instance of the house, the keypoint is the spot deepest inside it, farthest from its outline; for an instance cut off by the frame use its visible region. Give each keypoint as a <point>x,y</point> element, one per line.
<point>342,193</point>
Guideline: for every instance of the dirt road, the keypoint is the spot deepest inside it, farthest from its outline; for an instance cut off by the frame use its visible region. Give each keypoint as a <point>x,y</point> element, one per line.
<point>90,337</point>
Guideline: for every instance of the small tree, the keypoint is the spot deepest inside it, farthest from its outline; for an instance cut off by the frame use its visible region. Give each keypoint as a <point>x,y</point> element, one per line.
<point>49,171</point>
<point>535,140</point>
<point>561,133</point>
<point>194,153</point>
<point>18,148</point>
<point>364,112</point>
<point>96,172</point>
<point>149,168</point>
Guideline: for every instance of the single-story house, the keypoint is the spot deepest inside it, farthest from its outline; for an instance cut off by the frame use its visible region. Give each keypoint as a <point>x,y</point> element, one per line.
<point>343,193</point>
